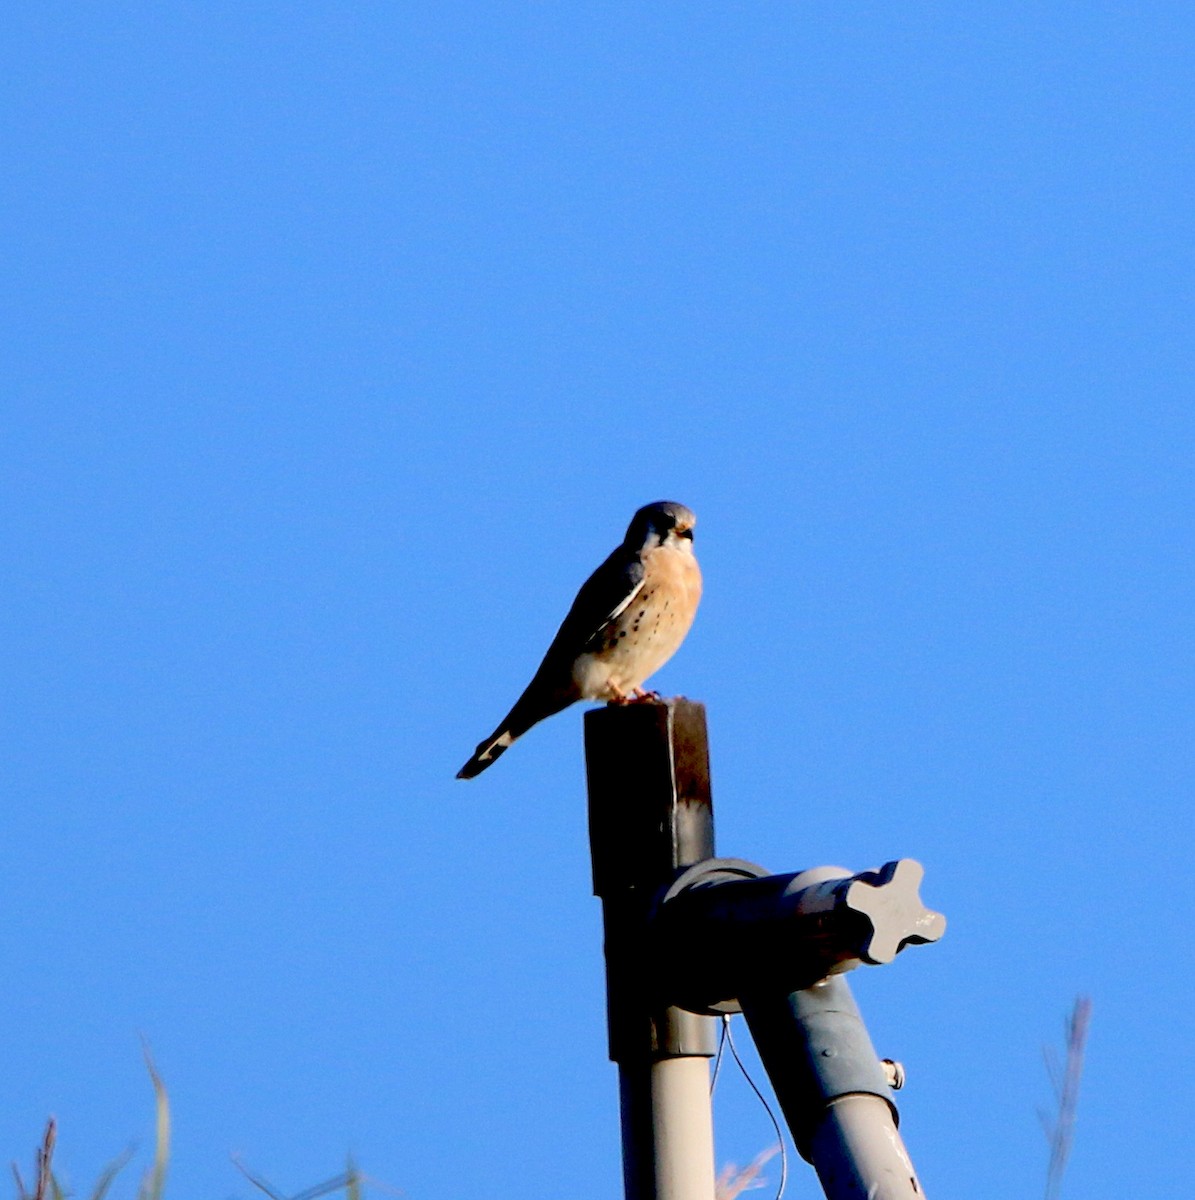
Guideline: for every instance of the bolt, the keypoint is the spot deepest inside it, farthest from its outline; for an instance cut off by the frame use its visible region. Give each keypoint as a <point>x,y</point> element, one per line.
<point>894,1072</point>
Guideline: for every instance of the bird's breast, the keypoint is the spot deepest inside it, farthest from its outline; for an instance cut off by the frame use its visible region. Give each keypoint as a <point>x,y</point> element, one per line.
<point>648,632</point>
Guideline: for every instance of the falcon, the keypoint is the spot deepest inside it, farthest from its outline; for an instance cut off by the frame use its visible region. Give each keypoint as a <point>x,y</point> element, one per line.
<point>628,620</point>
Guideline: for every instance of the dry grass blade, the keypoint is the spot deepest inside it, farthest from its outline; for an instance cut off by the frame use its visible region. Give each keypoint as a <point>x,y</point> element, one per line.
<point>44,1177</point>
<point>1066,1085</point>
<point>326,1188</point>
<point>154,1183</point>
<point>350,1181</point>
<point>733,1180</point>
<point>45,1155</point>
<point>110,1172</point>
<point>262,1185</point>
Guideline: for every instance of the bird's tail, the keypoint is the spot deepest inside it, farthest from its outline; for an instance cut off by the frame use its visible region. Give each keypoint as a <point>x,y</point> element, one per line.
<point>514,725</point>
<point>495,745</point>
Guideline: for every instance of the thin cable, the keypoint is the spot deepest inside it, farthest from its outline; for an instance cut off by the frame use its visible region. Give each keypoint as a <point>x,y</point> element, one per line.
<point>718,1056</point>
<point>763,1100</point>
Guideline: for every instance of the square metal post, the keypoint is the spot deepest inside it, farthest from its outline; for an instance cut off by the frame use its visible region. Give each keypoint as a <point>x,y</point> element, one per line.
<point>650,813</point>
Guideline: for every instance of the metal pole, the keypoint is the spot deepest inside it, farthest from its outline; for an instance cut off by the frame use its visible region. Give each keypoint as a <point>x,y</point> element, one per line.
<point>833,1090</point>
<point>650,814</point>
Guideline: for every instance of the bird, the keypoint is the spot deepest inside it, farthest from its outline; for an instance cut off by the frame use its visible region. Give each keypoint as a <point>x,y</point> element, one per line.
<point>628,620</point>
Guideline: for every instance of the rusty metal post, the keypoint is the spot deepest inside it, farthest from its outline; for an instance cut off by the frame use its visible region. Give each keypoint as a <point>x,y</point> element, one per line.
<point>649,814</point>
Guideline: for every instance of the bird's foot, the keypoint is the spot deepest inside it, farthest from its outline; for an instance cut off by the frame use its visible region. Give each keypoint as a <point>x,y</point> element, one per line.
<point>638,695</point>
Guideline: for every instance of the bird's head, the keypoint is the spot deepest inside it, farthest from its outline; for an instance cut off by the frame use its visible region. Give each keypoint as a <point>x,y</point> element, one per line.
<point>661,523</point>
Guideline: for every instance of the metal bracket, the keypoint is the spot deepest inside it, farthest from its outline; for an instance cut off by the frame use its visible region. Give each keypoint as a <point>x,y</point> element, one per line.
<point>725,927</point>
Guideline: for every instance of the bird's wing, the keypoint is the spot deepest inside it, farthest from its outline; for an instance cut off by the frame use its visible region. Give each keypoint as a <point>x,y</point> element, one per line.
<point>602,598</point>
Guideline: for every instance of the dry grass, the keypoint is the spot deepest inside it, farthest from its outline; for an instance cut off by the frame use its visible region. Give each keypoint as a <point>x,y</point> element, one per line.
<point>45,1185</point>
<point>733,1180</point>
<point>1060,1131</point>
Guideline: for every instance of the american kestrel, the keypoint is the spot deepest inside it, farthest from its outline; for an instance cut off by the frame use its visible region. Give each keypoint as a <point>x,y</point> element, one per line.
<point>627,621</point>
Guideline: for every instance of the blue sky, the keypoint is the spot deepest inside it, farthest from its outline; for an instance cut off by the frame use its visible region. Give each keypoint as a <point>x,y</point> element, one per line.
<point>339,346</point>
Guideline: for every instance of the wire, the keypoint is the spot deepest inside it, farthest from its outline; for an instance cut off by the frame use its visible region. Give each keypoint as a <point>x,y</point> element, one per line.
<point>728,1037</point>
<point>718,1056</point>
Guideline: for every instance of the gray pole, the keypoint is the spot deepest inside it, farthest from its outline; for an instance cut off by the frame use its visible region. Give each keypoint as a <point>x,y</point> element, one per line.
<point>778,944</point>
<point>833,1090</point>
<point>722,935</point>
<point>650,814</point>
